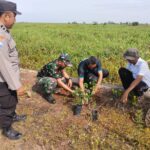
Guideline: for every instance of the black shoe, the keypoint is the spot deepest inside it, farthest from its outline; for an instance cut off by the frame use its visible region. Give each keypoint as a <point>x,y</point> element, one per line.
<point>11,133</point>
<point>17,118</point>
<point>50,99</point>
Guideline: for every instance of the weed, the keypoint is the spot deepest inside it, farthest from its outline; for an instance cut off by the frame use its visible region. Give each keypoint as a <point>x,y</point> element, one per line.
<point>117,93</point>
<point>138,117</point>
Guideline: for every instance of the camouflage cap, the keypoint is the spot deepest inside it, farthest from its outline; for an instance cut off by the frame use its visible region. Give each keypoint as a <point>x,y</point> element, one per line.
<point>66,59</point>
<point>131,54</point>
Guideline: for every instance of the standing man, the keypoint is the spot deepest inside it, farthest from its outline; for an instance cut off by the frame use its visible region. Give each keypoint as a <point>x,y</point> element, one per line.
<point>53,74</point>
<point>10,85</point>
<point>136,76</point>
<point>90,71</point>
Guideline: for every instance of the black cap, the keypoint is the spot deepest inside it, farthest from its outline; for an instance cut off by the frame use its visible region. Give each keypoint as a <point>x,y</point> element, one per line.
<point>8,6</point>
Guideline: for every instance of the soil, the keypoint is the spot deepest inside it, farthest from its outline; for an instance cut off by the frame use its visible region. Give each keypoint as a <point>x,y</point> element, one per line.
<point>53,126</point>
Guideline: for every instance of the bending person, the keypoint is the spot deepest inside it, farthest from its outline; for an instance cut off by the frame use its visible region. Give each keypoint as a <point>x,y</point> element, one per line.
<point>53,74</point>
<point>136,76</point>
<point>90,72</point>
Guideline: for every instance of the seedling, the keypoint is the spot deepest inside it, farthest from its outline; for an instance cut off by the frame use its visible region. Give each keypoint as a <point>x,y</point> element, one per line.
<point>134,101</point>
<point>138,117</point>
<point>116,93</point>
<point>81,97</point>
<point>78,101</point>
<point>78,97</point>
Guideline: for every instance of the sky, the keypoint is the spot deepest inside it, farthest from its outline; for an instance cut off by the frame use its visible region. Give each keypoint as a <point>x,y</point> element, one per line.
<point>64,11</point>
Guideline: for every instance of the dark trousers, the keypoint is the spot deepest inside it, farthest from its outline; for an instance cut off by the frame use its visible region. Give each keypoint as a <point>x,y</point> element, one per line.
<point>127,78</point>
<point>92,77</point>
<point>8,102</point>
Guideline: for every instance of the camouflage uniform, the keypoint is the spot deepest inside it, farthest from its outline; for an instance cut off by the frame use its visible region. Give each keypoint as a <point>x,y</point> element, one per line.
<point>47,76</point>
<point>48,84</point>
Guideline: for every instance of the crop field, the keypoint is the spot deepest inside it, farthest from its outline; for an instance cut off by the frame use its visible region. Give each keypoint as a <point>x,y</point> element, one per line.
<point>54,127</point>
<point>41,43</point>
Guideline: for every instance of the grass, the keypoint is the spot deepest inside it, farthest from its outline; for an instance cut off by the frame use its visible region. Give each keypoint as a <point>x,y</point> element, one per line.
<point>41,43</point>
<point>114,130</point>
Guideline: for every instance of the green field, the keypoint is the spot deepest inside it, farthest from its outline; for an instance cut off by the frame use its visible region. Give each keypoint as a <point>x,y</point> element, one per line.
<point>40,43</point>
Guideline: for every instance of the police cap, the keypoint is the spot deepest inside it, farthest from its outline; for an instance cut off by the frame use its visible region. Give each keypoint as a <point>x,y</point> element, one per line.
<point>8,6</point>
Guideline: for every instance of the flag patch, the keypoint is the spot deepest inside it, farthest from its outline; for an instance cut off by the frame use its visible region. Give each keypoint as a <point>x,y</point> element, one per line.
<point>1,44</point>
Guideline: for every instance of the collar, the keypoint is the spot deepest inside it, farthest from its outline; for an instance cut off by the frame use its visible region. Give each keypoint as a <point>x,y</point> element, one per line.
<point>139,60</point>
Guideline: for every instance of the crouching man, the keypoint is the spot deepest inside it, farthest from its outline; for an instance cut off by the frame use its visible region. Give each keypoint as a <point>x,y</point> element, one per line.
<point>53,74</point>
<point>135,77</point>
<point>90,72</point>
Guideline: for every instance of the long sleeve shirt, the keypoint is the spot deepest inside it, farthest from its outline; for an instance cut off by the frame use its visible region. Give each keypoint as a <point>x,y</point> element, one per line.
<point>9,62</point>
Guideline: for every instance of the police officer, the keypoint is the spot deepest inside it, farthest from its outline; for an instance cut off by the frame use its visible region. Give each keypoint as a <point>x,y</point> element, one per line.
<point>90,71</point>
<point>10,85</point>
<point>53,74</point>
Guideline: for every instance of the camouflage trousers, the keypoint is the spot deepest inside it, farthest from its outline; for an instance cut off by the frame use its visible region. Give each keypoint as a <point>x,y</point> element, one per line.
<point>47,84</point>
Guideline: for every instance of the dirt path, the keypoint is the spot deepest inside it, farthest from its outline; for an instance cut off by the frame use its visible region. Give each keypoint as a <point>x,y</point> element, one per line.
<point>54,127</point>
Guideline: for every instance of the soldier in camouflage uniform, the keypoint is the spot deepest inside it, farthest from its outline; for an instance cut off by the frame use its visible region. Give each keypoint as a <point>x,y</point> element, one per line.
<point>53,74</point>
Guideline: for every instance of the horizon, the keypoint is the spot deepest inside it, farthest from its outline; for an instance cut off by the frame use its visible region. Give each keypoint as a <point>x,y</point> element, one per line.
<point>90,23</point>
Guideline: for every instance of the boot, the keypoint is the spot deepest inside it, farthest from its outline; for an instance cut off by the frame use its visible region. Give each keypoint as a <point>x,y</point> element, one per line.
<point>11,133</point>
<point>50,98</point>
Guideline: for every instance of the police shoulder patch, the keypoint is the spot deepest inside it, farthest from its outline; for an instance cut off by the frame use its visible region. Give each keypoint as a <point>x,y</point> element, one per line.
<point>1,44</point>
<point>2,37</point>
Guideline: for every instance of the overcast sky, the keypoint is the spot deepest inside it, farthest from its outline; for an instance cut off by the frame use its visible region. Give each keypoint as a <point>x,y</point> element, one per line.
<point>83,10</point>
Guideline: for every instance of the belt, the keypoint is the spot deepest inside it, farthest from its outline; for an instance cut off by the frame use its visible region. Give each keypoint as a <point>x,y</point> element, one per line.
<point>3,84</point>
<point>4,89</point>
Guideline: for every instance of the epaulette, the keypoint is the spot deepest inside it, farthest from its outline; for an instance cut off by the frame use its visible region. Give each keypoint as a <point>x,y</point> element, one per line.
<point>3,28</point>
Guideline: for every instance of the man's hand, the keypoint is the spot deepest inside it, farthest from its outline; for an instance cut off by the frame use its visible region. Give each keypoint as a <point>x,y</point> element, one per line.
<point>72,91</point>
<point>85,99</point>
<point>124,97</point>
<point>70,83</point>
<point>63,85</point>
<point>81,85</point>
<point>21,91</point>
<point>95,90</point>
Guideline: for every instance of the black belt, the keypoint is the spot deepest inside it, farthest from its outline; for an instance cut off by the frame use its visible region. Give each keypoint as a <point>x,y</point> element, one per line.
<point>3,84</point>
<point>4,89</point>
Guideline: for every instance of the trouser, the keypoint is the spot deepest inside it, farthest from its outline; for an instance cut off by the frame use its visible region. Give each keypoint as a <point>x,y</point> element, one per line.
<point>8,102</point>
<point>47,84</point>
<point>92,77</point>
<point>127,78</point>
